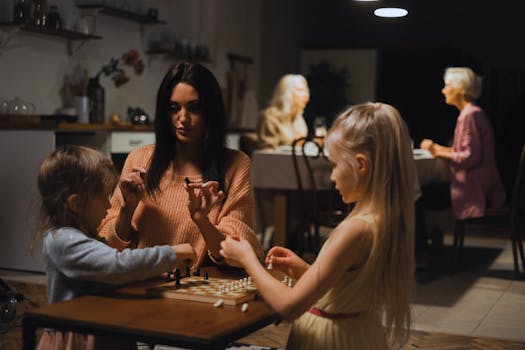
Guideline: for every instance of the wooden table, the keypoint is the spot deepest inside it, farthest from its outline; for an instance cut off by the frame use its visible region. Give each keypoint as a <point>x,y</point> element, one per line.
<point>128,313</point>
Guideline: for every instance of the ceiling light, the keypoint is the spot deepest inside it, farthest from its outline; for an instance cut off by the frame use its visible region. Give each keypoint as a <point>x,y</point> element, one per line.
<point>390,12</point>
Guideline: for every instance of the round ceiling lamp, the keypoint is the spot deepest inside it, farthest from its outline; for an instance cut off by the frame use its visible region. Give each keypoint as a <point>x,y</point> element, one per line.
<point>390,12</point>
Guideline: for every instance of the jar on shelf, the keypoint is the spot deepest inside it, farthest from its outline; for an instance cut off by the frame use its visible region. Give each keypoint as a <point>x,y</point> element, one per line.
<point>53,18</point>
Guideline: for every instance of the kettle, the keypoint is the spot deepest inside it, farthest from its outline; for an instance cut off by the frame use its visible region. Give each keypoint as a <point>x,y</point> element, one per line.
<point>138,116</point>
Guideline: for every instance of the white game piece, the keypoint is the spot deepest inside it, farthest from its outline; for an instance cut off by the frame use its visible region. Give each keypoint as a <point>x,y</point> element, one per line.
<point>270,264</point>
<point>285,280</point>
<point>249,279</point>
<point>218,303</point>
<point>290,282</point>
<point>244,307</point>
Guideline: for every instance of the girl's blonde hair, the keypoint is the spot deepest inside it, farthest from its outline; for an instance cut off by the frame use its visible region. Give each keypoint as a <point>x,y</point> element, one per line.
<point>282,100</point>
<point>70,170</point>
<point>464,78</point>
<point>378,131</point>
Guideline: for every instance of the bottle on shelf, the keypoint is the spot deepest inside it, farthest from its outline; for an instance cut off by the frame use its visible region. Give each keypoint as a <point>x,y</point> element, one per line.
<point>22,11</point>
<point>39,12</point>
<point>53,18</point>
<point>96,95</point>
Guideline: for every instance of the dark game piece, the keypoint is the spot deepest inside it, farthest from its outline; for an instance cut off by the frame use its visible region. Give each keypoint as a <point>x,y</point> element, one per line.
<point>187,181</point>
<point>188,274</point>
<point>197,272</point>
<point>205,275</point>
<point>177,279</point>
<point>169,275</point>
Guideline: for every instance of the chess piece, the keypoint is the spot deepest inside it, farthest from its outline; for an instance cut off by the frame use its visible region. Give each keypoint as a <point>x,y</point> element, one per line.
<point>177,279</point>
<point>270,264</point>
<point>197,272</point>
<point>188,274</point>
<point>244,307</point>
<point>218,303</point>
<point>206,275</point>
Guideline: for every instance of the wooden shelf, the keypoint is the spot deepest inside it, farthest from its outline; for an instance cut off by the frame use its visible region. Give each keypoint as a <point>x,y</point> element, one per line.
<point>64,33</point>
<point>116,12</point>
<point>176,55</point>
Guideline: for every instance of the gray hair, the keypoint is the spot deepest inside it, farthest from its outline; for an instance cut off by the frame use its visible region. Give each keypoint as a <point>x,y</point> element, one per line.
<point>464,78</point>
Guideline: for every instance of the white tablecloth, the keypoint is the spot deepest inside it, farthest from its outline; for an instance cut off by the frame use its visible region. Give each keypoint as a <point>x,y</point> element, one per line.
<point>273,169</point>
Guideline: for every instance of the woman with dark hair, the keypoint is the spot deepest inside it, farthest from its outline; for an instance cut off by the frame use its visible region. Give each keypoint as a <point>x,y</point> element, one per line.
<point>188,187</point>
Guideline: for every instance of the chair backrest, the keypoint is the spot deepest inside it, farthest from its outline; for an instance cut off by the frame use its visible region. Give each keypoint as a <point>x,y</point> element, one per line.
<point>517,201</point>
<point>312,194</point>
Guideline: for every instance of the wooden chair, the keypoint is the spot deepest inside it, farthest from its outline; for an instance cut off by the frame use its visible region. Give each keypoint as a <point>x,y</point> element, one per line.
<point>318,207</point>
<point>511,219</point>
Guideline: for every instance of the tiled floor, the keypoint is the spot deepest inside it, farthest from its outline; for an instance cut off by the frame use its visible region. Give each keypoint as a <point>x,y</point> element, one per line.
<point>483,298</point>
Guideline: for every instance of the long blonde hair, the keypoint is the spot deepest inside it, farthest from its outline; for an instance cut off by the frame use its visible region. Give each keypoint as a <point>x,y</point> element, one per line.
<point>282,99</point>
<point>377,130</point>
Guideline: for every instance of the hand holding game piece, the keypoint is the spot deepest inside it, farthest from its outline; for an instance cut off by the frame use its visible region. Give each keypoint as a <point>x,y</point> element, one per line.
<point>237,251</point>
<point>202,197</point>
<point>132,186</point>
<point>185,254</point>
<point>286,261</point>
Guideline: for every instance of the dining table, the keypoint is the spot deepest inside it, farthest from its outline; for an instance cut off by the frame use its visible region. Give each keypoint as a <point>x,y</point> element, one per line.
<point>273,170</point>
<point>127,312</point>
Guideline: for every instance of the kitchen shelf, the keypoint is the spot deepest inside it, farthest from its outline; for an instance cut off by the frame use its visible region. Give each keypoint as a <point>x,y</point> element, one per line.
<point>64,33</point>
<point>178,56</point>
<point>116,12</point>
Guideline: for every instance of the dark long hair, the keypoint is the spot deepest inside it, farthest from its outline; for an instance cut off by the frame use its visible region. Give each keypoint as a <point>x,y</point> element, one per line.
<point>213,111</point>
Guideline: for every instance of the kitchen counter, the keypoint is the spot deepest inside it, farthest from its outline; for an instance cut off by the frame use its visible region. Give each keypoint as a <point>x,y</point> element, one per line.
<point>71,127</point>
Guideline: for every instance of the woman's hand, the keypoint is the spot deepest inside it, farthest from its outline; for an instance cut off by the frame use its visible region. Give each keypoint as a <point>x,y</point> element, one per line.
<point>202,197</point>
<point>286,261</point>
<point>237,252</point>
<point>185,255</point>
<point>132,186</point>
<point>426,144</point>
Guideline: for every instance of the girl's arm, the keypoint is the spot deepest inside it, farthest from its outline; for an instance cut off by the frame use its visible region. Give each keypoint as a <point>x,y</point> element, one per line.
<point>116,227</point>
<point>350,245</point>
<point>79,257</point>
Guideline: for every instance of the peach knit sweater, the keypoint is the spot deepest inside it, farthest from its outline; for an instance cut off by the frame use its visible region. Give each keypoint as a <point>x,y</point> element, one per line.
<point>165,219</point>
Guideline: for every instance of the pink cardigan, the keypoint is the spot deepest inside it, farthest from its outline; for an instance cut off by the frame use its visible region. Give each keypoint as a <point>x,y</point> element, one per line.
<point>475,181</point>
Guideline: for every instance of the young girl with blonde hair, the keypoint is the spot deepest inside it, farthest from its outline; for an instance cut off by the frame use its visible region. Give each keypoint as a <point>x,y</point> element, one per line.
<point>75,184</point>
<point>356,295</point>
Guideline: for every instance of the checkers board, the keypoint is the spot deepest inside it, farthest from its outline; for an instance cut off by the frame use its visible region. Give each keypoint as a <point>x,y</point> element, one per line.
<point>196,288</point>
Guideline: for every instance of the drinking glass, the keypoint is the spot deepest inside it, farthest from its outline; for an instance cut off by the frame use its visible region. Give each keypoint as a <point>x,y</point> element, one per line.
<point>320,126</point>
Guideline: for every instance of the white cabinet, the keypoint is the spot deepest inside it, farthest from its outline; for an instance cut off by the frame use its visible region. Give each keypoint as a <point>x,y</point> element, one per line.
<point>22,153</point>
<point>126,141</point>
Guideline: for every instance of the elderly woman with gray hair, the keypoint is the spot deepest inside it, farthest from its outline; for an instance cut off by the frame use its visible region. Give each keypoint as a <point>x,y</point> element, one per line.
<point>475,181</point>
